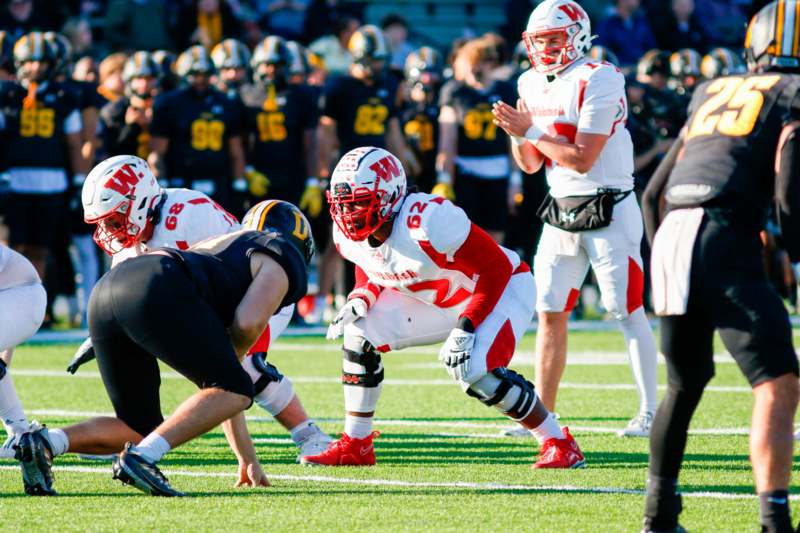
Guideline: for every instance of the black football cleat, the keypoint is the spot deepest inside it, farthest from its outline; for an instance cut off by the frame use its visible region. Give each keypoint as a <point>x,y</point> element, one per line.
<point>35,454</point>
<point>133,469</point>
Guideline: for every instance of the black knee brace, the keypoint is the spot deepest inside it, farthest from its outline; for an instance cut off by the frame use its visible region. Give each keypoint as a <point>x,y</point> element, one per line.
<point>269,373</point>
<point>2,368</point>
<point>370,359</point>
<point>508,380</point>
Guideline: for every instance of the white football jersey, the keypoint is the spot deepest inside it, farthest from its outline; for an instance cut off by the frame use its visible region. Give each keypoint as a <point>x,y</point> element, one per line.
<point>187,217</point>
<point>418,258</point>
<point>589,97</point>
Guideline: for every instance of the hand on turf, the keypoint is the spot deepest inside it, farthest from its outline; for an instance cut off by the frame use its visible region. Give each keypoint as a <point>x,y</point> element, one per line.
<point>85,353</point>
<point>456,353</point>
<point>252,475</point>
<point>352,311</point>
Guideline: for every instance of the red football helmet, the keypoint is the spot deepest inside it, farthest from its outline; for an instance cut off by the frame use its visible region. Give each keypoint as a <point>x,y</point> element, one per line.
<point>368,186</point>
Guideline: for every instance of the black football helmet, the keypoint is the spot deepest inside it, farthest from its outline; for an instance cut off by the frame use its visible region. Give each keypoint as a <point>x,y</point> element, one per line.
<point>721,62</point>
<point>271,51</point>
<point>770,43</point>
<point>284,218</point>
<point>601,53</point>
<point>194,60</point>
<point>140,65</point>
<point>653,62</point>
<point>33,47</point>
<point>62,52</point>
<point>166,69</point>
<point>685,63</point>
<point>368,46</point>
<point>230,53</point>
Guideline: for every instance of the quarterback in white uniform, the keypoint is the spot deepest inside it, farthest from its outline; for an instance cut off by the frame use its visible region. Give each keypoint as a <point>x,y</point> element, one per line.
<point>426,274</point>
<point>571,117</point>
<point>22,305</point>
<point>180,218</point>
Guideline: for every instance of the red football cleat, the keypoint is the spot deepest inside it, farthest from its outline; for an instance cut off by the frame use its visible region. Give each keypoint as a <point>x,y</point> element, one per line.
<point>561,453</point>
<point>346,451</point>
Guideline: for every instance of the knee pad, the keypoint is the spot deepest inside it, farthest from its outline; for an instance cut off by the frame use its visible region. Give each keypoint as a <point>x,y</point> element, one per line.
<point>260,371</point>
<point>505,390</point>
<point>367,358</point>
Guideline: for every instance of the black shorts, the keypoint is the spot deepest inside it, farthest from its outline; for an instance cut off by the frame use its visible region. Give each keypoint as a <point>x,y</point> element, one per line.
<point>729,293</point>
<point>147,309</point>
<point>36,219</point>
<point>484,200</point>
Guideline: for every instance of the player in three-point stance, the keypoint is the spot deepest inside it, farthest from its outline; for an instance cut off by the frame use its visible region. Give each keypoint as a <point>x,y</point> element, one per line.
<point>426,274</point>
<point>571,117</point>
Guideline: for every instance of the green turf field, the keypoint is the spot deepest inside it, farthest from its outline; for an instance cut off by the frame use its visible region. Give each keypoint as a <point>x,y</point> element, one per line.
<point>441,464</point>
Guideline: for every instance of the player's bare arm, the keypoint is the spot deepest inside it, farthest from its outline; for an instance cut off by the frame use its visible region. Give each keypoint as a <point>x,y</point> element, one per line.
<point>158,149</point>
<point>653,197</point>
<point>326,143</point>
<point>262,299</point>
<point>236,149</point>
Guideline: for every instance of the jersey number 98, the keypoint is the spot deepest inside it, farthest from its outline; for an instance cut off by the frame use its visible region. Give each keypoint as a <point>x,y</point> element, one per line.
<point>207,134</point>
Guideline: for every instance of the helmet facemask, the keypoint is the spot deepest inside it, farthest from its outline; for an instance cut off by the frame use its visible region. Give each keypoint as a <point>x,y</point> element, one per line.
<point>554,58</point>
<point>115,231</point>
<point>359,214</point>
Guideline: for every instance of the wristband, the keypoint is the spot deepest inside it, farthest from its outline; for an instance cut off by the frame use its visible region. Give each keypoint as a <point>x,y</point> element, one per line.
<point>444,177</point>
<point>78,179</point>
<point>240,185</point>
<point>519,141</point>
<point>533,134</point>
<point>312,182</point>
<point>516,177</point>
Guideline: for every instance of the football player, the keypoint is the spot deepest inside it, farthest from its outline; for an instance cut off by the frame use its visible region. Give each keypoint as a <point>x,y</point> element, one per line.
<point>721,62</point>
<point>180,218</point>
<point>474,164</point>
<point>22,306</point>
<point>684,66</point>
<point>198,311</point>
<point>280,122</point>
<point>426,274</point>
<point>42,138</point>
<point>423,77</point>
<point>736,157</point>
<point>571,117</point>
<point>232,61</point>
<point>126,121</point>
<point>195,133</point>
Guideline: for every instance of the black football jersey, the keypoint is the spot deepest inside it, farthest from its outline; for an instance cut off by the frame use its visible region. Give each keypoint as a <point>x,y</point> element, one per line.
<point>362,112</point>
<point>119,138</point>
<point>34,130</point>
<point>198,127</point>
<point>477,134</point>
<point>276,122</point>
<point>222,278</point>
<point>420,124</point>
<point>728,157</point>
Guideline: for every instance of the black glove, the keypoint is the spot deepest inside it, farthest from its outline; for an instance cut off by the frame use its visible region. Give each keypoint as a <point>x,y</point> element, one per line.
<point>84,354</point>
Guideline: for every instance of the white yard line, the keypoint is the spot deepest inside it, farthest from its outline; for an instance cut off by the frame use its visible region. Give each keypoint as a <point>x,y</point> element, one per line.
<point>390,422</point>
<point>421,484</point>
<point>43,372</point>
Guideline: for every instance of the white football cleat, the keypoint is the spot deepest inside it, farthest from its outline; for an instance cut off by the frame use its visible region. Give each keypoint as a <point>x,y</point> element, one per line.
<point>314,444</point>
<point>639,426</point>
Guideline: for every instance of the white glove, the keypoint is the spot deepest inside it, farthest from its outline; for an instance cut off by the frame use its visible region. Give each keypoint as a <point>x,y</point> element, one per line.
<point>796,270</point>
<point>352,311</point>
<point>456,352</point>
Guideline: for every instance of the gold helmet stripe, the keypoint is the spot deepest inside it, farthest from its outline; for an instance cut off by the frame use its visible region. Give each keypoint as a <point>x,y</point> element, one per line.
<point>779,27</point>
<point>796,42</point>
<point>265,209</point>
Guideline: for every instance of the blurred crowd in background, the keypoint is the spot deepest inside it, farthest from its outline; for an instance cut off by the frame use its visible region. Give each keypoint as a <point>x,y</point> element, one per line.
<point>247,99</point>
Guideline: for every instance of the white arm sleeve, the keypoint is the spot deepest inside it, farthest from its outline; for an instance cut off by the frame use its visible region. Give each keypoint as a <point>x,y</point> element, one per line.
<point>73,123</point>
<point>604,102</point>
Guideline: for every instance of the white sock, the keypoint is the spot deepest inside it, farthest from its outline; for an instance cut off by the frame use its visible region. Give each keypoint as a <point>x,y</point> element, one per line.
<point>59,441</point>
<point>643,356</point>
<point>11,412</point>
<point>357,427</point>
<point>548,429</point>
<point>153,447</point>
<point>303,430</point>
